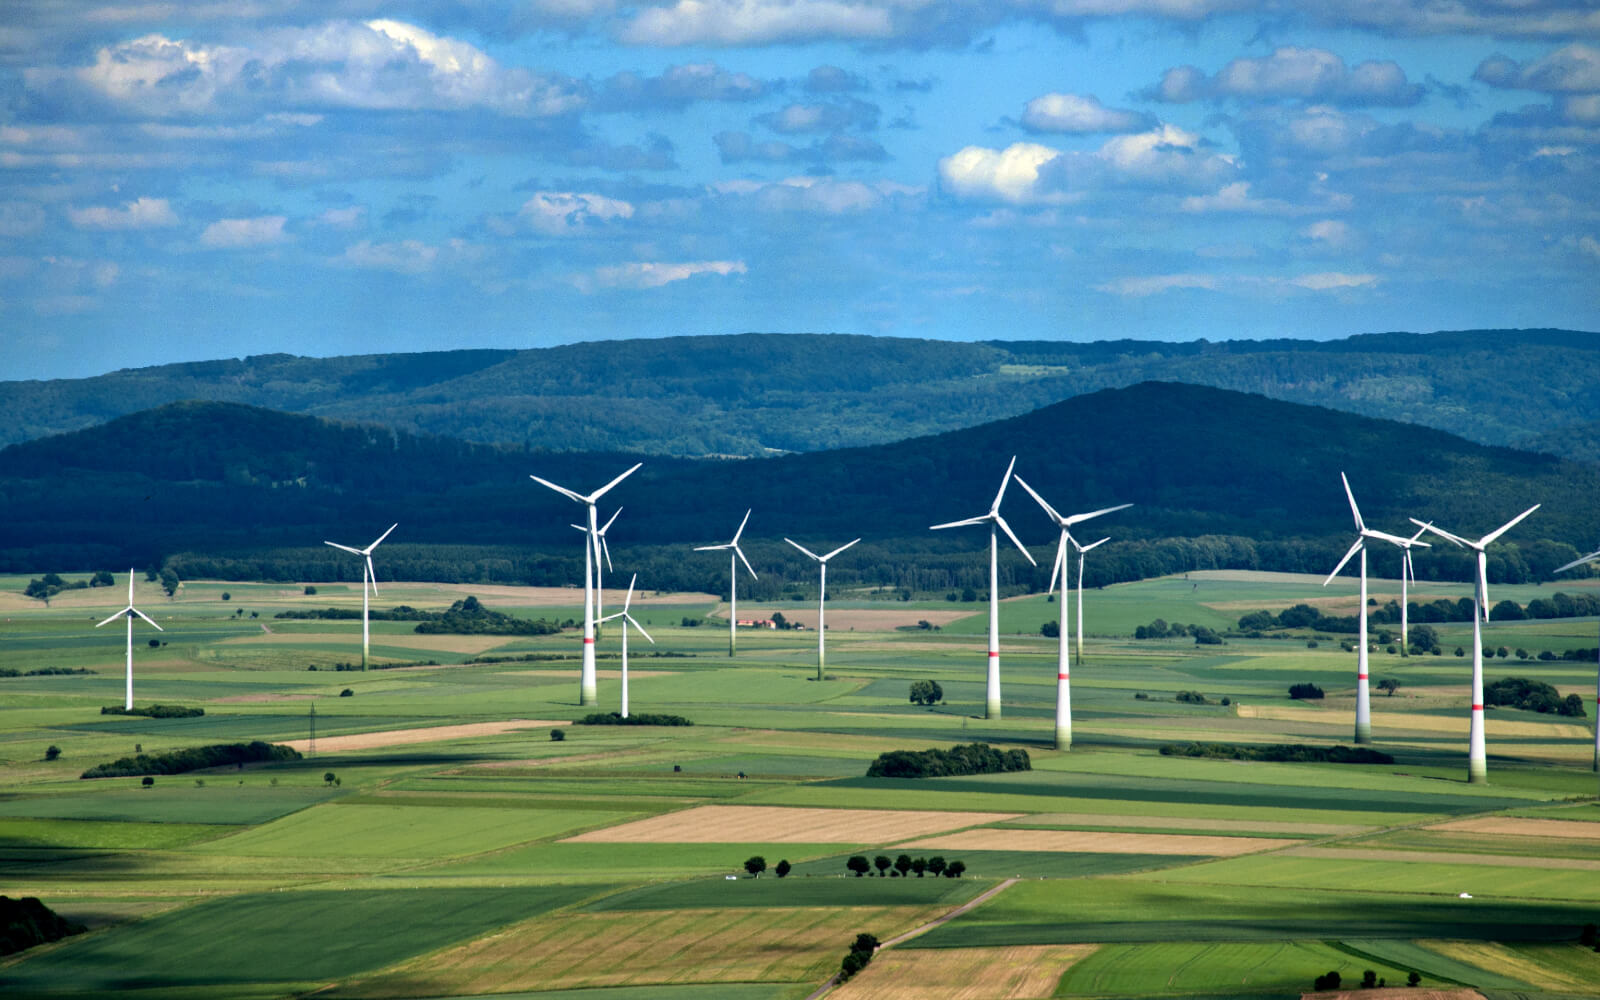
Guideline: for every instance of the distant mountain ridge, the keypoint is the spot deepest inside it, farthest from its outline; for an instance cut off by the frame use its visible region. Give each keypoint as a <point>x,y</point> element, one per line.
<point>758,394</point>
<point>208,478</point>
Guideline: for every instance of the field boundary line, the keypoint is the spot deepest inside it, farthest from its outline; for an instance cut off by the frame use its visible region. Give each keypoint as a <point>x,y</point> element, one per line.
<point>978,900</point>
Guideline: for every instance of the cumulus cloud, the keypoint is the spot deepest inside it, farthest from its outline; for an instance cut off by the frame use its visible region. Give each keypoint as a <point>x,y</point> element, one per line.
<point>1080,113</point>
<point>677,87</point>
<point>653,274</point>
<point>1572,69</point>
<point>1236,198</point>
<point>740,147</point>
<point>1028,173</point>
<point>1293,73</point>
<point>800,119</point>
<point>377,65</point>
<point>233,234</point>
<point>1010,174</point>
<point>141,213</point>
<point>563,213</point>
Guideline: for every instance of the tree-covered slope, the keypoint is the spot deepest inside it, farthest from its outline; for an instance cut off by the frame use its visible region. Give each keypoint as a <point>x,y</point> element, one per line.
<point>210,478</point>
<point>756,394</point>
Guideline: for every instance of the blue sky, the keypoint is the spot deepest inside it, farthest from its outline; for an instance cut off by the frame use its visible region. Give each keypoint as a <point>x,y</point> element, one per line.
<point>183,181</point>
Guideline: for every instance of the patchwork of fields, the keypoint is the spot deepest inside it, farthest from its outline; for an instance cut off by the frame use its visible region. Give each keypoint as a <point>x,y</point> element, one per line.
<point>439,842</point>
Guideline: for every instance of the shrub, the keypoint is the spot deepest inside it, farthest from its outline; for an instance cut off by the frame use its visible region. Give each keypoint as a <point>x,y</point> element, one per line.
<point>193,759</point>
<point>1227,701</point>
<point>783,868</point>
<point>310,591</point>
<point>1304,691</point>
<point>1328,981</point>
<point>557,735</point>
<point>1140,696</point>
<point>1311,644</point>
<point>52,752</point>
<point>347,693</point>
<point>148,781</point>
<point>1192,698</point>
<point>964,758</point>
<point>1050,629</point>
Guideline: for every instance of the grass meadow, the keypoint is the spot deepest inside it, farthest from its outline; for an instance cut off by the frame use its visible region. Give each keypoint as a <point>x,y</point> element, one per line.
<point>439,841</point>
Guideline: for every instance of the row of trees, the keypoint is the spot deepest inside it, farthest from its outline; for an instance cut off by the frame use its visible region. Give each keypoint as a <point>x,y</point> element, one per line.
<point>904,866</point>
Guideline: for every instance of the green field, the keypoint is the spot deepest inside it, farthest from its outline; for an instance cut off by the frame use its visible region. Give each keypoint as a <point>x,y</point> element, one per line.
<point>349,870</point>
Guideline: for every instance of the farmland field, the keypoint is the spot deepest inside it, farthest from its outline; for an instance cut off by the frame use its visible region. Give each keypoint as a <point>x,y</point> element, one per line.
<point>438,840</point>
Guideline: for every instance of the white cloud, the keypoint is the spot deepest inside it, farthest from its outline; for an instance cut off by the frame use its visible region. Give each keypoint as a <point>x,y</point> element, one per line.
<point>1080,113</point>
<point>141,213</point>
<point>1328,281</point>
<point>1333,281</point>
<point>559,213</point>
<point>233,234</point>
<point>651,274</point>
<point>1138,288</point>
<point>1235,197</point>
<point>757,22</point>
<point>1571,69</point>
<point>1330,233</point>
<point>378,65</point>
<point>343,218</point>
<point>1010,174</point>
<point>1293,73</point>
<point>408,256</point>
<point>1027,173</point>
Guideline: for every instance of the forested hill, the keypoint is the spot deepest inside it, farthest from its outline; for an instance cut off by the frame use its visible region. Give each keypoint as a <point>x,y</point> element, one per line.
<point>757,394</point>
<point>214,478</point>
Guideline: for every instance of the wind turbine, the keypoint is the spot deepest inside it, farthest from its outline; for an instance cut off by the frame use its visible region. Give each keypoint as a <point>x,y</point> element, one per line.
<point>1591,557</point>
<point>1082,549</point>
<point>1363,702</point>
<point>1063,656</point>
<point>586,685</point>
<point>1477,757</point>
<point>1408,573</point>
<point>733,578</point>
<point>822,592</point>
<point>599,583</point>
<point>627,620</point>
<point>996,523</point>
<point>368,579</point>
<point>128,612</point>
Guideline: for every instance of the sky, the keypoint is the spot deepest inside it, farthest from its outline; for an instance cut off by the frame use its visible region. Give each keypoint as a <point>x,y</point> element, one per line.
<point>220,178</point>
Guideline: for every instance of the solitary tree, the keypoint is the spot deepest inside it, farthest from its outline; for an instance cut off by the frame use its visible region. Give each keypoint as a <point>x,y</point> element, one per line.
<point>858,864</point>
<point>148,781</point>
<point>783,868</point>
<point>52,752</point>
<point>1414,978</point>
<point>1389,686</point>
<point>926,693</point>
<point>755,866</point>
<point>327,778</point>
<point>882,863</point>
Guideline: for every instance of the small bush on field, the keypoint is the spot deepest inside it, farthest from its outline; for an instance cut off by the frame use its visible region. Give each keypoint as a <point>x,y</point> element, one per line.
<point>557,735</point>
<point>1140,696</point>
<point>1191,698</point>
<point>964,758</point>
<point>1304,690</point>
<point>52,752</point>
<point>1328,981</point>
<point>633,719</point>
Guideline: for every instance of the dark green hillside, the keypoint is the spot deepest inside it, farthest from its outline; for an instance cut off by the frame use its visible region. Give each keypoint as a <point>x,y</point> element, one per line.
<point>756,394</point>
<point>252,493</point>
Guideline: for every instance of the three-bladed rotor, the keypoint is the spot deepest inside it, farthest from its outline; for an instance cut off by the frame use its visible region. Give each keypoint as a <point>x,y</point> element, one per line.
<point>1479,547</point>
<point>993,516</point>
<point>366,553</point>
<point>734,545</point>
<point>130,611</point>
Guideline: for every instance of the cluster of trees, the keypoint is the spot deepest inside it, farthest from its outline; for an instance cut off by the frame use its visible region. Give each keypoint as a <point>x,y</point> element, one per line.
<point>758,864</point>
<point>468,616</point>
<point>633,719</point>
<point>26,922</point>
<point>44,671</point>
<point>926,693</point>
<point>860,954</point>
<point>963,758</point>
<point>905,865</point>
<point>51,584</point>
<point>1304,616</point>
<point>1535,696</point>
<point>1295,753</point>
<point>1160,629</point>
<point>1330,981</point>
<point>193,759</point>
<point>156,711</point>
<point>1304,690</point>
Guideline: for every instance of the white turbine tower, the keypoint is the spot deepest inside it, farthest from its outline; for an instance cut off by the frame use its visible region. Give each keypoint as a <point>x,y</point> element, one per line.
<point>368,579</point>
<point>1408,574</point>
<point>587,692</point>
<point>1363,702</point>
<point>822,593</point>
<point>1063,634</point>
<point>627,620</point>
<point>996,523</point>
<point>735,557</point>
<point>1477,756</point>
<point>604,549</point>
<point>1082,549</point>
<point>128,612</point>
<point>1591,557</point>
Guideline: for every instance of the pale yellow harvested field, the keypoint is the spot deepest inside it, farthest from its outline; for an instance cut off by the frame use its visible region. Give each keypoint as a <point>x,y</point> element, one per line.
<point>885,619</point>
<point>1518,963</point>
<point>1512,826</point>
<point>586,950</point>
<point>1442,857</point>
<point>1079,842</point>
<point>1028,972</point>
<point>1191,823</point>
<point>784,825</point>
<point>432,734</point>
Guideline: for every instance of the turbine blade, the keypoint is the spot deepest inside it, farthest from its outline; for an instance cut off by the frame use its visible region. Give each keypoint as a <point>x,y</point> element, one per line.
<point>838,550</point>
<point>1496,533</point>
<point>1428,526</point>
<point>1408,571</point>
<point>980,519</point>
<point>605,548</point>
<point>342,548</point>
<point>640,628</point>
<point>1094,545</point>
<point>736,534</point>
<point>712,548</point>
<point>130,586</point>
<point>1047,508</point>
<point>372,576</point>
<point>1353,508</point>
<point>626,601</point>
<point>1005,480</point>
<point>597,494</point>
<point>147,618</point>
<point>1591,557</point>
<point>559,489</point>
<point>381,537</point>
<point>1061,553</point>
<point>740,553</point>
<point>1417,536</point>
<point>1076,518</point>
<point>1385,536</point>
<point>1014,540</point>
<point>616,614</point>
<point>1353,550</point>
<point>114,617</point>
<point>802,548</point>
<point>608,523</point>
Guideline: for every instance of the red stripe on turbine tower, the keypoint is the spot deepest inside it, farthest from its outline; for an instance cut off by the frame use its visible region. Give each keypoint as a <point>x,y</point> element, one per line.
<point>1477,708</point>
